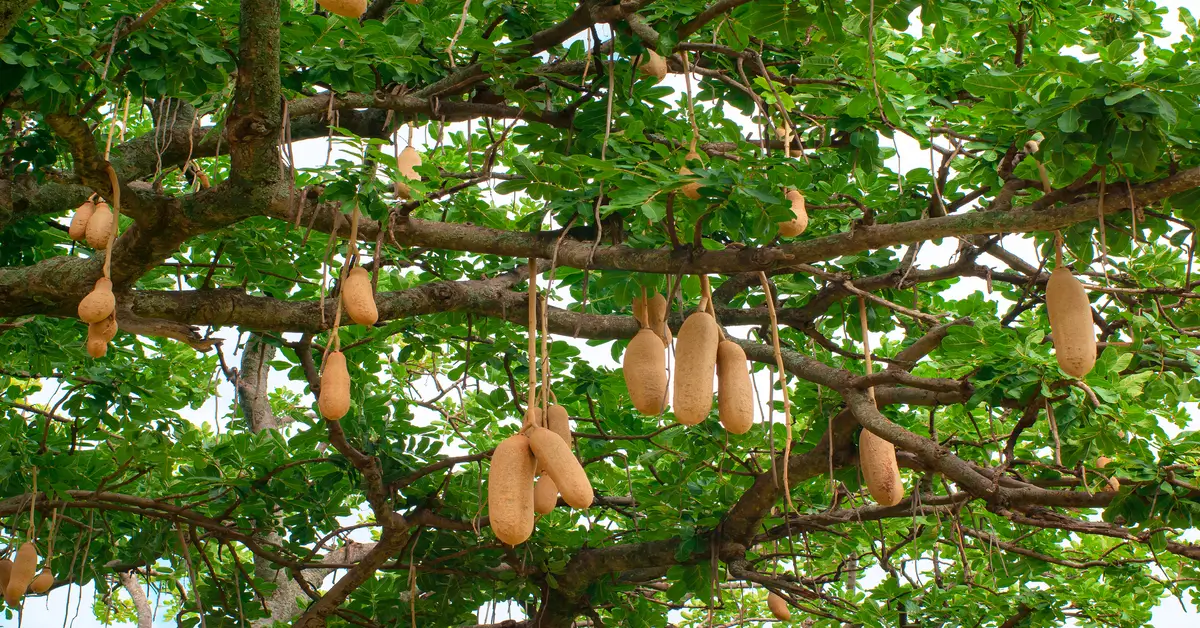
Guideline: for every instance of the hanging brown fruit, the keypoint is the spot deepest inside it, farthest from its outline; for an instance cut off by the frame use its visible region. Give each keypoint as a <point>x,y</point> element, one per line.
<point>735,398</point>
<point>346,8</point>
<point>1070,315</point>
<point>877,457</point>
<point>99,304</point>
<point>545,495</point>
<point>407,162</point>
<point>42,582</point>
<point>559,422</point>
<point>99,226</point>
<point>562,466</point>
<point>695,361</point>
<point>795,226</point>
<point>690,190</point>
<point>23,570</point>
<point>654,66</point>
<point>656,312</point>
<point>511,490</point>
<point>358,299</point>
<point>778,606</point>
<point>6,567</point>
<point>99,335</point>
<point>334,400</point>
<point>645,369</point>
<point>79,222</point>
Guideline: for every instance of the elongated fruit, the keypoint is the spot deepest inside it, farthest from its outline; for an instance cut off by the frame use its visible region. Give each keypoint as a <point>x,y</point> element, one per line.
<point>735,399</point>
<point>99,303</point>
<point>357,297</point>
<point>877,457</point>
<point>510,490</point>
<point>99,335</point>
<point>407,161</point>
<point>797,225</point>
<point>691,190</point>
<point>779,607</point>
<point>563,467</point>
<point>645,370</point>
<point>695,360</point>
<point>79,221</point>
<point>42,582</point>
<point>345,8</point>
<point>24,568</point>
<point>1071,323</point>
<point>6,567</point>
<point>334,400</point>
<point>545,495</point>
<point>559,422</point>
<point>654,66</point>
<point>533,417</point>
<point>640,312</point>
<point>98,227</point>
<point>656,312</point>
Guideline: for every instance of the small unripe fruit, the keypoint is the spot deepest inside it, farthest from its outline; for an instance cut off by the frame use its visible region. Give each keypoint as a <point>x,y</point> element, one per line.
<point>691,190</point>
<point>42,582</point>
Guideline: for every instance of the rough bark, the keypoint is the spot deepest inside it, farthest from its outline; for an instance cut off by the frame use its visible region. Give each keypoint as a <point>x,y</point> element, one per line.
<point>145,615</point>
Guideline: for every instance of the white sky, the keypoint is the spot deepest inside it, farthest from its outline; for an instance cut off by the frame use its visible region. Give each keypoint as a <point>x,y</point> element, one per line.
<point>49,611</point>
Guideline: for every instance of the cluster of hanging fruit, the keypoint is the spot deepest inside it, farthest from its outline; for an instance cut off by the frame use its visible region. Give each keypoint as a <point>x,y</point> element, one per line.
<point>701,350</point>
<point>96,224</point>
<point>20,575</point>
<point>531,468</point>
<point>358,301</point>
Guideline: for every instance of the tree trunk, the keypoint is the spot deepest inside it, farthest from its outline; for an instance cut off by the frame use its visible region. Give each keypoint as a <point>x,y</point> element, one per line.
<point>145,616</point>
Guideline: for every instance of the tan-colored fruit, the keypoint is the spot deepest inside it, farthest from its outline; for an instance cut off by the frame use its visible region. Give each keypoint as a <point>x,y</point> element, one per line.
<point>779,607</point>
<point>1102,462</point>
<point>1071,323</point>
<point>656,312</point>
<point>645,370</point>
<point>99,303</point>
<point>99,335</point>
<point>1113,485</point>
<point>358,299</point>
<point>79,222</point>
<point>510,490</point>
<point>334,400</point>
<point>559,422</point>
<point>654,65</point>
<point>691,190</point>
<point>1032,146</point>
<point>695,361</point>
<point>42,582</point>
<point>401,190</point>
<point>545,495</point>
<point>735,399</point>
<point>640,312</point>
<point>407,161</point>
<point>562,466</point>
<point>797,225</point>
<point>23,570</point>
<point>877,457</point>
<point>533,417</point>
<point>98,227</point>
<point>345,8</point>
<point>6,567</point>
